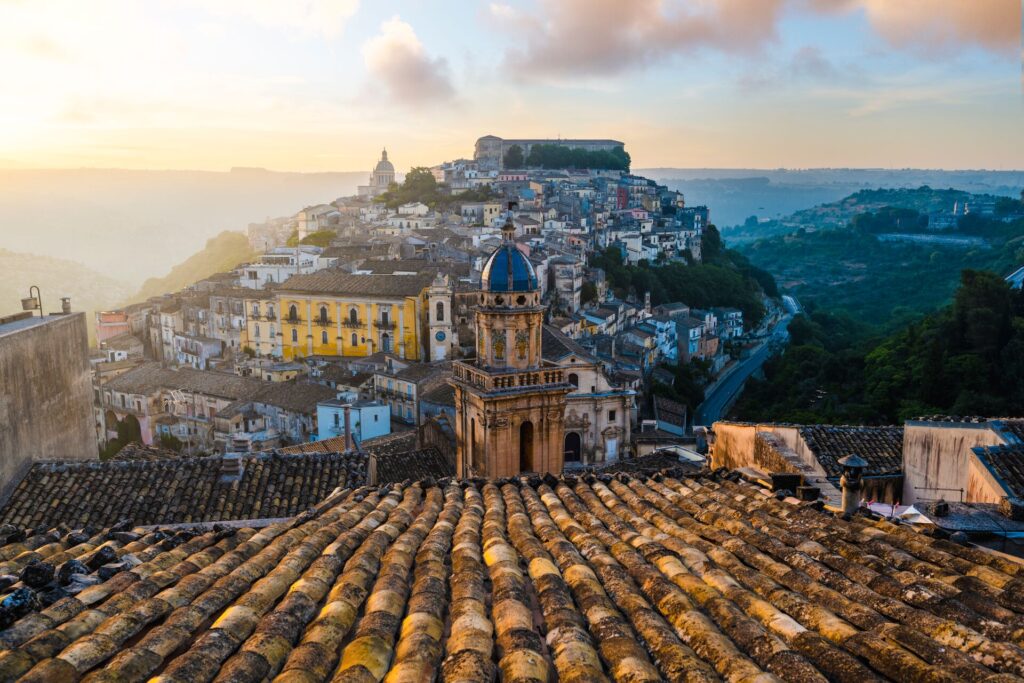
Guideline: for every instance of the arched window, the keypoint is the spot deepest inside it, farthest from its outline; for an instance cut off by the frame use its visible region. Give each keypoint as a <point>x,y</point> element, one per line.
<point>574,379</point>
<point>295,335</point>
<point>293,314</point>
<point>353,317</point>
<point>526,447</point>
<point>323,314</point>
<point>573,447</point>
<point>440,311</point>
<point>355,339</point>
<point>323,337</point>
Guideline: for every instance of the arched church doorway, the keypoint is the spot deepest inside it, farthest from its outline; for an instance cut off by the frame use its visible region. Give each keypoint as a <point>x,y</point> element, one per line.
<point>573,447</point>
<point>526,447</point>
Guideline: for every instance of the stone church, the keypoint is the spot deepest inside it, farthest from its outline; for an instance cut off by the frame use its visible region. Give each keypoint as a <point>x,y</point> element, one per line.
<point>533,400</point>
<point>381,178</point>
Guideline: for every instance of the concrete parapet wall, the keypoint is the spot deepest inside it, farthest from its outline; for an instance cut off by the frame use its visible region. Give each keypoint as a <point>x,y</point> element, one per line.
<point>46,401</point>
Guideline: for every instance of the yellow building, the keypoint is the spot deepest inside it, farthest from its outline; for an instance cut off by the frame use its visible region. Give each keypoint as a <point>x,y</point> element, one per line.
<point>262,324</point>
<point>334,313</point>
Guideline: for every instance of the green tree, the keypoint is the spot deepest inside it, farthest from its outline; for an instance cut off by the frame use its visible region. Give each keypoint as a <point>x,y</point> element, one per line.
<point>588,293</point>
<point>321,238</point>
<point>419,185</point>
<point>514,157</point>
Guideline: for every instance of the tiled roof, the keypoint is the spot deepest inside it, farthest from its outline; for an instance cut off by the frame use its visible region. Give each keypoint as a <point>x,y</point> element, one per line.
<point>670,411</point>
<point>333,281</point>
<point>177,491</point>
<point>300,397</point>
<point>1007,464</point>
<point>556,345</point>
<point>882,447</point>
<point>413,465</point>
<point>294,396</point>
<point>139,451</point>
<point>442,394</point>
<point>1014,428</point>
<point>583,579</point>
<point>150,377</point>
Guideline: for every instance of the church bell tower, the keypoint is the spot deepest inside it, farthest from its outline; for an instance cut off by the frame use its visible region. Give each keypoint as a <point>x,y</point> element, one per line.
<point>509,406</point>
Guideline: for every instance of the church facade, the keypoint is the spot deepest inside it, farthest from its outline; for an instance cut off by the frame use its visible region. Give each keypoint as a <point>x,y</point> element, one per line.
<point>381,178</point>
<point>511,401</point>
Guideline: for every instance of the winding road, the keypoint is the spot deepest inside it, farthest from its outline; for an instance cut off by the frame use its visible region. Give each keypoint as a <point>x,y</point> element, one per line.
<point>722,394</point>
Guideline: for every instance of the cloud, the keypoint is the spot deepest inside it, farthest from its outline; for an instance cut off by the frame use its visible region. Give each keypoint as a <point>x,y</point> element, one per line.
<point>807,66</point>
<point>598,37</point>
<point>937,25</point>
<point>400,66</point>
<point>810,62</point>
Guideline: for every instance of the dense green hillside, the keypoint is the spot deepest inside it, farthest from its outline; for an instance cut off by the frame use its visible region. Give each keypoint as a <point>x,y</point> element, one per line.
<point>221,253</point>
<point>839,214</point>
<point>967,359</point>
<point>725,278</point>
<point>861,270</point>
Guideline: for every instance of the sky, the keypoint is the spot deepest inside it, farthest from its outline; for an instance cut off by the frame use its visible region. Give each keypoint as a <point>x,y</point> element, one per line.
<point>323,85</point>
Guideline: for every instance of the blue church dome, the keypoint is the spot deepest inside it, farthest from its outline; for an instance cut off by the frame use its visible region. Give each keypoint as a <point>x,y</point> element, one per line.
<point>507,270</point>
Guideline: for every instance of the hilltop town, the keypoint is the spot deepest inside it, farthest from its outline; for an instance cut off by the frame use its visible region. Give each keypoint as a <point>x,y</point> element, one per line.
<point>367,300</point>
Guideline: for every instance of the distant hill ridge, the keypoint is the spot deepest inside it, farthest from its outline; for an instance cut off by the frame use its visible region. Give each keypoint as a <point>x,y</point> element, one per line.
<point>221,253</point>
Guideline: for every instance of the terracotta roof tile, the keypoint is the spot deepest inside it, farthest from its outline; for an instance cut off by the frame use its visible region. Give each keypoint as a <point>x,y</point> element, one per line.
<point>183,490</point>
<point>1007,464</point>
<point>332,281</point>
<point>882,447</point>
<point>584,578</point>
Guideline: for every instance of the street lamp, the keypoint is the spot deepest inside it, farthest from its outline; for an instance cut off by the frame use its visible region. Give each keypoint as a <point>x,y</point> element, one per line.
<point>33,303</point>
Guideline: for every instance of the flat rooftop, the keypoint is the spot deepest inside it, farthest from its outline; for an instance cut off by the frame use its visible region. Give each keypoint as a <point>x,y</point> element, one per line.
<point>13,326</point>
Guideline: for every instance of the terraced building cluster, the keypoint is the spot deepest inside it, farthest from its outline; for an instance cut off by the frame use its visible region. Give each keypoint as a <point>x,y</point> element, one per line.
<point>599,578</point>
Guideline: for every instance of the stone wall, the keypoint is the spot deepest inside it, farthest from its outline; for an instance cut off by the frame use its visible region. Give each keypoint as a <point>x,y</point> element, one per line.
<point>769,448</point>
<point>936,457</point>
<point>736,446</point>
<point>982,487</point>
<point>46,401</point>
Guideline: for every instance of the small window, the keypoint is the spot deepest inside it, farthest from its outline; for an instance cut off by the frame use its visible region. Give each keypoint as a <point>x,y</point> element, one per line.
<point>611,416</point>
<point>440,311</point>
<point>355,339</point>
<point>323,337</point>
<point>295,335</point>
<point>256,331</point>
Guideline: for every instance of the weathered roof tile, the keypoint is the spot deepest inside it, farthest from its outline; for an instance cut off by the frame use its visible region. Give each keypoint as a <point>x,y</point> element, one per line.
<point>590,578</point>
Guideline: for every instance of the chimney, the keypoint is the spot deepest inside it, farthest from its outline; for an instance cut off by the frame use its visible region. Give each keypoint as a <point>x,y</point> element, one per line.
<point>348,427</point>
<point>231,468</point>
<point>65,305</point>
<point>850,482</point>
